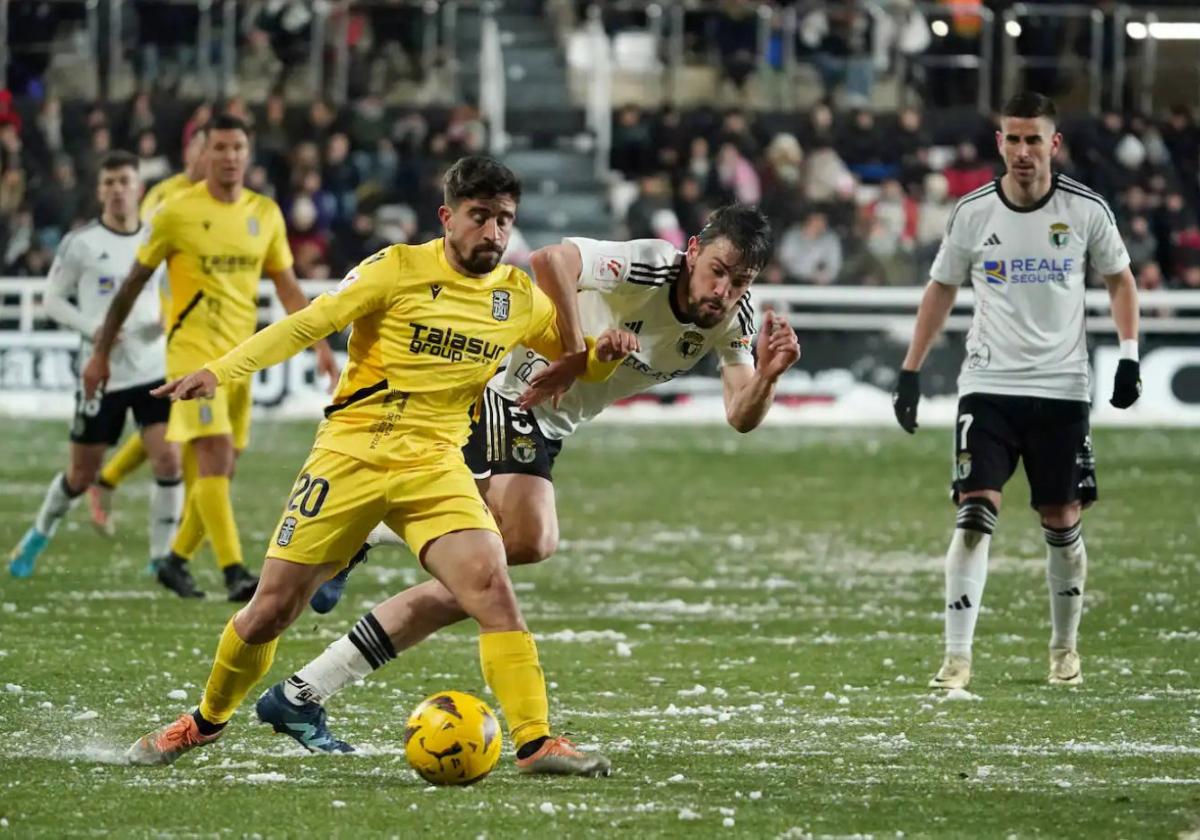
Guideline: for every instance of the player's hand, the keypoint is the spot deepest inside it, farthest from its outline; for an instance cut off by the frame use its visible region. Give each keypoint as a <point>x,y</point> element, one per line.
<point>552,381</point>
<point>614,345</point>
<point>1127,384</point>
<point>202,383</point>
<point>778,348</point>
<point>94,375</point>
<point>905,399</point>
<point>327,364</point>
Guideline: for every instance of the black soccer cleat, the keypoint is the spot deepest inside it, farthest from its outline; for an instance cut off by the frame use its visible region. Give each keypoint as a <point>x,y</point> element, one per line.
<point>330,592</point>
<point>240,583</point>
<point>173,573</point>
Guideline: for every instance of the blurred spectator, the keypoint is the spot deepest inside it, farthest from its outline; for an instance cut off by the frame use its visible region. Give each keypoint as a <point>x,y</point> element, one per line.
<point>654,194</point>
<point>840,39</point>
<point>735,36</point>
<point>809,252</point>
<point>140,118</point>
<point>736,175</point>
<point>56,204</point>
<point>863,147</point>
<point>153,166</point>
<point>354,241</point>
<point>1140,242</point>
<point>465,132</point>
<point>632,143</point>
<point>968,172</point>
<point>825,175</point>
<point>339,176</point>
<point>309,244</point>
<point>782,198</point>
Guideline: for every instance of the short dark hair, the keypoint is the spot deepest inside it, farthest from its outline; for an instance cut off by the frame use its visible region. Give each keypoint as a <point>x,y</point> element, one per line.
<point>227,122</point>
<point>118,159</point>
<point>746,228</point>
<point>478,176</point>
<point>1028,104</point>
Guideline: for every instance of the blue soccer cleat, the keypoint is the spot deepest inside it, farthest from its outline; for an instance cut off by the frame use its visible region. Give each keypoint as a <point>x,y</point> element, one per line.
<point>305,724</point>
<point>20,562</point>
<point>330,592</point>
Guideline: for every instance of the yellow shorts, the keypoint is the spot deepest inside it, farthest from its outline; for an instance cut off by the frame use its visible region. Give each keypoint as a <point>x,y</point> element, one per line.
<point>226,413</point>
<point>337,500</point>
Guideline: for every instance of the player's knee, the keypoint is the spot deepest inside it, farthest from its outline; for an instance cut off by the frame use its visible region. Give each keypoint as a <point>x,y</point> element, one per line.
<point>165,463</point>
<point>976,518</point>
<point>1060,517</point>
<point>531,545</point>
<point>82,476</point>
<point>267,616</point>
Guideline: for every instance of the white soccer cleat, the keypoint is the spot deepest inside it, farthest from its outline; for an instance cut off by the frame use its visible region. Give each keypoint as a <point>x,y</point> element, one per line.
<point>954,673</point>
<point>1064,667</point>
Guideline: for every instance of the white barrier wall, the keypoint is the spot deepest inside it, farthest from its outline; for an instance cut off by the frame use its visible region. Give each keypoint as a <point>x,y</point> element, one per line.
<point>852,339</point>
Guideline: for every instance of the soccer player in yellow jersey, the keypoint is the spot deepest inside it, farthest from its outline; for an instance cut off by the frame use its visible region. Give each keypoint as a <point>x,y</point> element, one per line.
<point>431,324</point>
<point>218,239</point>
<point>131,454</point>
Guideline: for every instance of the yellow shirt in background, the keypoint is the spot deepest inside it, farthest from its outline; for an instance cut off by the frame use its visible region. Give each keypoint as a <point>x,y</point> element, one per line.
<point>162,192</point>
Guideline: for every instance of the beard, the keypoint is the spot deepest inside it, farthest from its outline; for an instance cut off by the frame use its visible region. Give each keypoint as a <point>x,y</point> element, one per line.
<point>704,316</point>
<point>481,259</point>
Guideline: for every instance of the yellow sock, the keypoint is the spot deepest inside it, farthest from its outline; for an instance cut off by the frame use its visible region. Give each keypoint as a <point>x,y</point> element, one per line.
<point>236,668</point>
<point>191,527</point>
<point>511,668</point>
<point>129,456</point>
<point>210,497</point>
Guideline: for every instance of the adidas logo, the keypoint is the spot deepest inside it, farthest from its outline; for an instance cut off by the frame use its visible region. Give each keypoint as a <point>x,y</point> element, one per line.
<point>634,327</point>
<point>963,603</point>
<point>104,255</point>
<point>991,241</point>
<point>1068,593</point>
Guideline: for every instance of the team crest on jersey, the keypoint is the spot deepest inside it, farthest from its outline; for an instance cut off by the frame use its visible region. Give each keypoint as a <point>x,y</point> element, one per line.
<point>500,305</point>
<point>206,415</point>
<point>524,450</point>
<point>252,226</point>
<point>689,344</point>
<point>107,284</point>
<point>963,468</point>
<point>1060,235</point>
<point>286,529</point>
<point>979,357</point>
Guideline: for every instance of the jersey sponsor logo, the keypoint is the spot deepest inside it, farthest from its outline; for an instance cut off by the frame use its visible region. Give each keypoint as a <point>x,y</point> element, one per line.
<point>1060,235</point>
<point>435,290</point>
<point>636,364</point>
<point>286,529</point>
<point>500,300</point>
<point>106,284</point>
<point>228,263</point>
<point>252,226</point>
<point>689,344</point>
<point>450,344</point>
<point>608,269</point>
<point>1028,270</point>
<point>524,450</point>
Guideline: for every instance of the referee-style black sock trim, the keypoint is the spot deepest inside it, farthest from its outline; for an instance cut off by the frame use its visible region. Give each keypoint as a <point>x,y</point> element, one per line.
<point>976,514</point>
<point>168,482</point>
<point>1063,537</point>
<point>372,641</point>
<point>206,727</point>
<point>66,488</point>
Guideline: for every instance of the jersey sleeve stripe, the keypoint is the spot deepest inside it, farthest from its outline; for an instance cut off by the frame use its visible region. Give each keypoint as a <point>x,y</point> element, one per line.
<point>187,310</point>
<point>647,268</point>
<point>1091,197</point>
<point>645,281</point>
<point>982,192</point>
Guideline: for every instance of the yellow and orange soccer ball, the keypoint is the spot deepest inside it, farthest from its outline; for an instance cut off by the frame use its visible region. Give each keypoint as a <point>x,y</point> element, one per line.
<point>452,738</point>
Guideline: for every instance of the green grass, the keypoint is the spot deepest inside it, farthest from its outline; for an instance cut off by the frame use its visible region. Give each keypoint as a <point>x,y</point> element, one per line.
<point>795,574</point>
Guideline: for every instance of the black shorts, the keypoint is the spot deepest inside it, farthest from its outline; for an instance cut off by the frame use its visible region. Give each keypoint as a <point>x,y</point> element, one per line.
<point>1052,437</point>
<point>506,440</point>
<point>102,418</point>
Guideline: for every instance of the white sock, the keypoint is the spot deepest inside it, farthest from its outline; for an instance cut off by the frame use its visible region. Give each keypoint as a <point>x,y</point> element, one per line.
<point>55,506</point>
<point>966,573</point>
<point>349,659</point>
<point>166,505</point>
<point>383,535</point>
<point>1066,570</point>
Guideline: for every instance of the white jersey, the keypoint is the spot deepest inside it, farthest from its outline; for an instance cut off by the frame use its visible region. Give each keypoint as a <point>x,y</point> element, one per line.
<point>1028,266</point>
<point>89,267</point>
<point>628,285</point>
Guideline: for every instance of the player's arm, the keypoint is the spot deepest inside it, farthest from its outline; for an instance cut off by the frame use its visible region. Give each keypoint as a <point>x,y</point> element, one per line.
<point>1107,253</point>
<point>557,269</point>
<point>749,391</point>
<point>95,372</point>
<point>333,311</point>
<point>288,290</point>
<point>63,284</point>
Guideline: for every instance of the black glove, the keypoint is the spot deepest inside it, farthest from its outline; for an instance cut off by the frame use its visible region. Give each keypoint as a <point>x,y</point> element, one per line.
<point>1127,384</point>
<point>905,398</point>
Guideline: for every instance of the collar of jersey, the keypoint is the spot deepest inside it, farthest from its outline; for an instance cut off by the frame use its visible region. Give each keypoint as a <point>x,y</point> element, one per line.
<point>1037,205</point>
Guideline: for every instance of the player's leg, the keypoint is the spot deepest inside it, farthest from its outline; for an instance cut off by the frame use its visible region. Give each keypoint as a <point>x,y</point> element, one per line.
<point>129,455</point>
<point>986,453</point>
<point>97,425</point>
<point>1060,465</point>
<point>166,496</point>
<point>333,504</point>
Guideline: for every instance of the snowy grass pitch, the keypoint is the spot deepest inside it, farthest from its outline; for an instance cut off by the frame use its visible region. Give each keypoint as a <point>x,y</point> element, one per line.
<point>744,624</point>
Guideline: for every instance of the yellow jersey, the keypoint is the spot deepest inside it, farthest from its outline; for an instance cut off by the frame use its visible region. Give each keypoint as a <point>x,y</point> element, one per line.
<point>216,253</point>
<point>162,192</point>
<point>425,341</point>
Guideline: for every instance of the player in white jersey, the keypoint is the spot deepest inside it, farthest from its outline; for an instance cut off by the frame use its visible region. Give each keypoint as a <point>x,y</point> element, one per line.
<point>1026,242</point>
<point>90,265</point>
<point>673,308</point>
